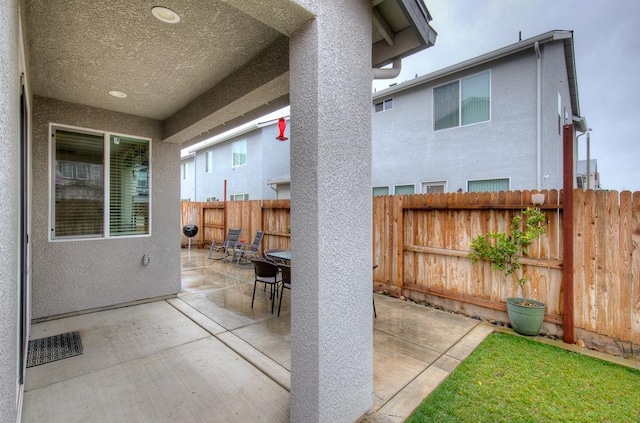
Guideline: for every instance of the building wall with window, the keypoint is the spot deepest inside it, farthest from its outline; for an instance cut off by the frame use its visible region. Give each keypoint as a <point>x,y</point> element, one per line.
<point>188,178</point>
<point>434,144</point>
<point>246,161</point>
<point>72,273</point>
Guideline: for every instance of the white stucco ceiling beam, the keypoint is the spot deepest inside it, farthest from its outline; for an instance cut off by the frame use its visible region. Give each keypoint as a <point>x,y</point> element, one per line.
<point>285,16</point>
<point>264,79</point>
<point>383,27</point>
<point>406,42</point>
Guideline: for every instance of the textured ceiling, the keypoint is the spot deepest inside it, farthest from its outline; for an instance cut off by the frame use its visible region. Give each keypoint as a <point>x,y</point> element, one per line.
<point>225,61</point>
<point>80,50</point>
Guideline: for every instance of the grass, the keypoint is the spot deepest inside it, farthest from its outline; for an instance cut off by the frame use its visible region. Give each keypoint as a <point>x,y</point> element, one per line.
<point>513,379</point>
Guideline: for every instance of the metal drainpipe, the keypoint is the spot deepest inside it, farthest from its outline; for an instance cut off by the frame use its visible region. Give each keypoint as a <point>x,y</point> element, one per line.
<point>538,116</point>
<point>388,73</point>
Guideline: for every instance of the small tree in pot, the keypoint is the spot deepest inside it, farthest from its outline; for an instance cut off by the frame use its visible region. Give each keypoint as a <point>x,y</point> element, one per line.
<point>503,251</point>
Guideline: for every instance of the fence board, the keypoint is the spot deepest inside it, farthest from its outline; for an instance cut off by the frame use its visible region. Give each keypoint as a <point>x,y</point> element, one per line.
<point>634,276</point>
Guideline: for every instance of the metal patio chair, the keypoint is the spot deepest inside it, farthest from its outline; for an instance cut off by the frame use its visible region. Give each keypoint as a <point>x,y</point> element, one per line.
<point>268,274</point>
<point>244,252</point>
<point>226,249</point>
<point>285,271</point>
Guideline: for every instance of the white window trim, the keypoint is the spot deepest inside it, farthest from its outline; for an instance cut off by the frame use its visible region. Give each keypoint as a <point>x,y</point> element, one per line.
<point>388,187</point>
<point>460,125</point>
<point>487,179</point>
<point>244,194</point>
<point>384,105</point>
<point>208,161</point>
<point>51,171</point>
<point>433,183</point>
<point>247,153</point>
<point>403,185</point>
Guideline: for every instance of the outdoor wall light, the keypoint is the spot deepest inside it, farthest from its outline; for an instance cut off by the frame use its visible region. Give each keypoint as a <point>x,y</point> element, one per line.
<point>165,14</point>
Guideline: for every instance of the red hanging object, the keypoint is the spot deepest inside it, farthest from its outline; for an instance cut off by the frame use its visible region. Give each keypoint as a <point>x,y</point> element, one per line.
<point>282,125</point>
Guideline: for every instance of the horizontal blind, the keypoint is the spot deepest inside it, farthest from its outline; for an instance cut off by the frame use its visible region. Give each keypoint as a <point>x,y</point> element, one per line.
<point>128,186</point>
<point>79,184</point>
<point>489,185</point>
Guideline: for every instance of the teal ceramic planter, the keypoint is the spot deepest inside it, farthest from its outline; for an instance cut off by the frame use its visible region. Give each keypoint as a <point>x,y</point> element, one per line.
<point>525,320</point>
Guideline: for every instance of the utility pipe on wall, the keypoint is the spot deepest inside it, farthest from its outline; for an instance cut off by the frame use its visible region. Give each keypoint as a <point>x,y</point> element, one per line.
<point>388,73</point>
<point>538,116</point>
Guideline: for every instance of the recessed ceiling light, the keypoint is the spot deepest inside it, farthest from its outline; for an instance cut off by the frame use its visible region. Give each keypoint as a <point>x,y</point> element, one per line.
<point>118,94</point>
<point>165,15</point>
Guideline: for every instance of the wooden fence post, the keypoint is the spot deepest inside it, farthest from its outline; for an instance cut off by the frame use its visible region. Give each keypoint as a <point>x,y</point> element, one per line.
<point>567,222</point>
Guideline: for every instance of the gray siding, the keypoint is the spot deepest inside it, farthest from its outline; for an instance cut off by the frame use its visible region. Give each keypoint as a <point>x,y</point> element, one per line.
<point>554,81</point>
<point>406,149</point>
<point>266,158</point>
<point>77,275</point>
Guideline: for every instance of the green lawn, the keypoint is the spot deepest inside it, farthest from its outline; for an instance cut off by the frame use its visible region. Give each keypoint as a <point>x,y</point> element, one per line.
<point>513,379</point>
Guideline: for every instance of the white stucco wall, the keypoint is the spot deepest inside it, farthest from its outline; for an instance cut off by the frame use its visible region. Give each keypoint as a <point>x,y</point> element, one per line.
<point>78,275</point>
<point>9,207</point>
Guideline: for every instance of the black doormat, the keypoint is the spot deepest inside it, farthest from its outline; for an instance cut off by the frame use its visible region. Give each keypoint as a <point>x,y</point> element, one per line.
<point>53,348</point>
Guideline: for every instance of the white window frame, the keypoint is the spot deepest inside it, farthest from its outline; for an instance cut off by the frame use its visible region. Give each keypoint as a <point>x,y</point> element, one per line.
<point>386,105</point>
<point>395,188</point>
<point>488,179</point>
<point>244,195</point>
<point>208,161</point>
<point>425,184</point>
<point>51,171</point>
<point>459,81</point>
<point>233,153</point>
<point>185,171</point>
<point>381,186</point>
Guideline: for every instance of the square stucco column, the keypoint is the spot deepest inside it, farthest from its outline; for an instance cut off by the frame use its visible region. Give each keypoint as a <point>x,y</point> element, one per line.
<point>332,316</point>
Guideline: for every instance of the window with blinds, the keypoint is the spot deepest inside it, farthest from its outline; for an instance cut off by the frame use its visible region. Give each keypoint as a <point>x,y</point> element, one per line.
<point>462,102</point>
<point>488,185</point>
<point>94,172</point>
<point>239,154</point>
<point>128,186</point>
<point>380,191</point>
<point>404,189</point>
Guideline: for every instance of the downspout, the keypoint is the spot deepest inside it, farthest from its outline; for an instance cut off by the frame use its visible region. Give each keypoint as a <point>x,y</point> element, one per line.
<point>388,73</point>
<point>538,117</point>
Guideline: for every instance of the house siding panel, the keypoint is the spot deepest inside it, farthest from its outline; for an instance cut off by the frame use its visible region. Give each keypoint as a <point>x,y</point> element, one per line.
<point>406,149</point>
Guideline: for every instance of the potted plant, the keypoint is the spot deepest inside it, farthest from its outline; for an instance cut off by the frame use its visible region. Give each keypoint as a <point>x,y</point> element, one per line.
<point>503,251</point>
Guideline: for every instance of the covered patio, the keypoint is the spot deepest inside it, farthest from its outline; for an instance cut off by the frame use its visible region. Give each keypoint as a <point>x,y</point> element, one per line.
<point>98,99</point>
<point>207,356</point>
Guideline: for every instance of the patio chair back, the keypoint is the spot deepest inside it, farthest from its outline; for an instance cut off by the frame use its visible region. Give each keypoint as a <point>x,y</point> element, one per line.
<point>227,246</point>
<point>286,282</point>
<point>268,274</point>
<point>244,252</point>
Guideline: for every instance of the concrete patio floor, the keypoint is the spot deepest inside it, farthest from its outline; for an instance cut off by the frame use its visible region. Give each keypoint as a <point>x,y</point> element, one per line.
<point>207,356</point>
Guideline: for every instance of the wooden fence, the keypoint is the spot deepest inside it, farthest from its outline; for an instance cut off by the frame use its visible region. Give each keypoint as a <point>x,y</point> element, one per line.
<point>420,243</point>
<point>270,216</point>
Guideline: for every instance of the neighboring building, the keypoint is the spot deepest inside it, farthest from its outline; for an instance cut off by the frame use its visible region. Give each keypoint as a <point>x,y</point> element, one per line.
<point>245,159</point>
<point>491,123</point>
<point>588,178</point>
<point>487,124</point>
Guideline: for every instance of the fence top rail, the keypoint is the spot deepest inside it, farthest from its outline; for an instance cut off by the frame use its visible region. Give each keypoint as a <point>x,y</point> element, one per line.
<point>477,207</point>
